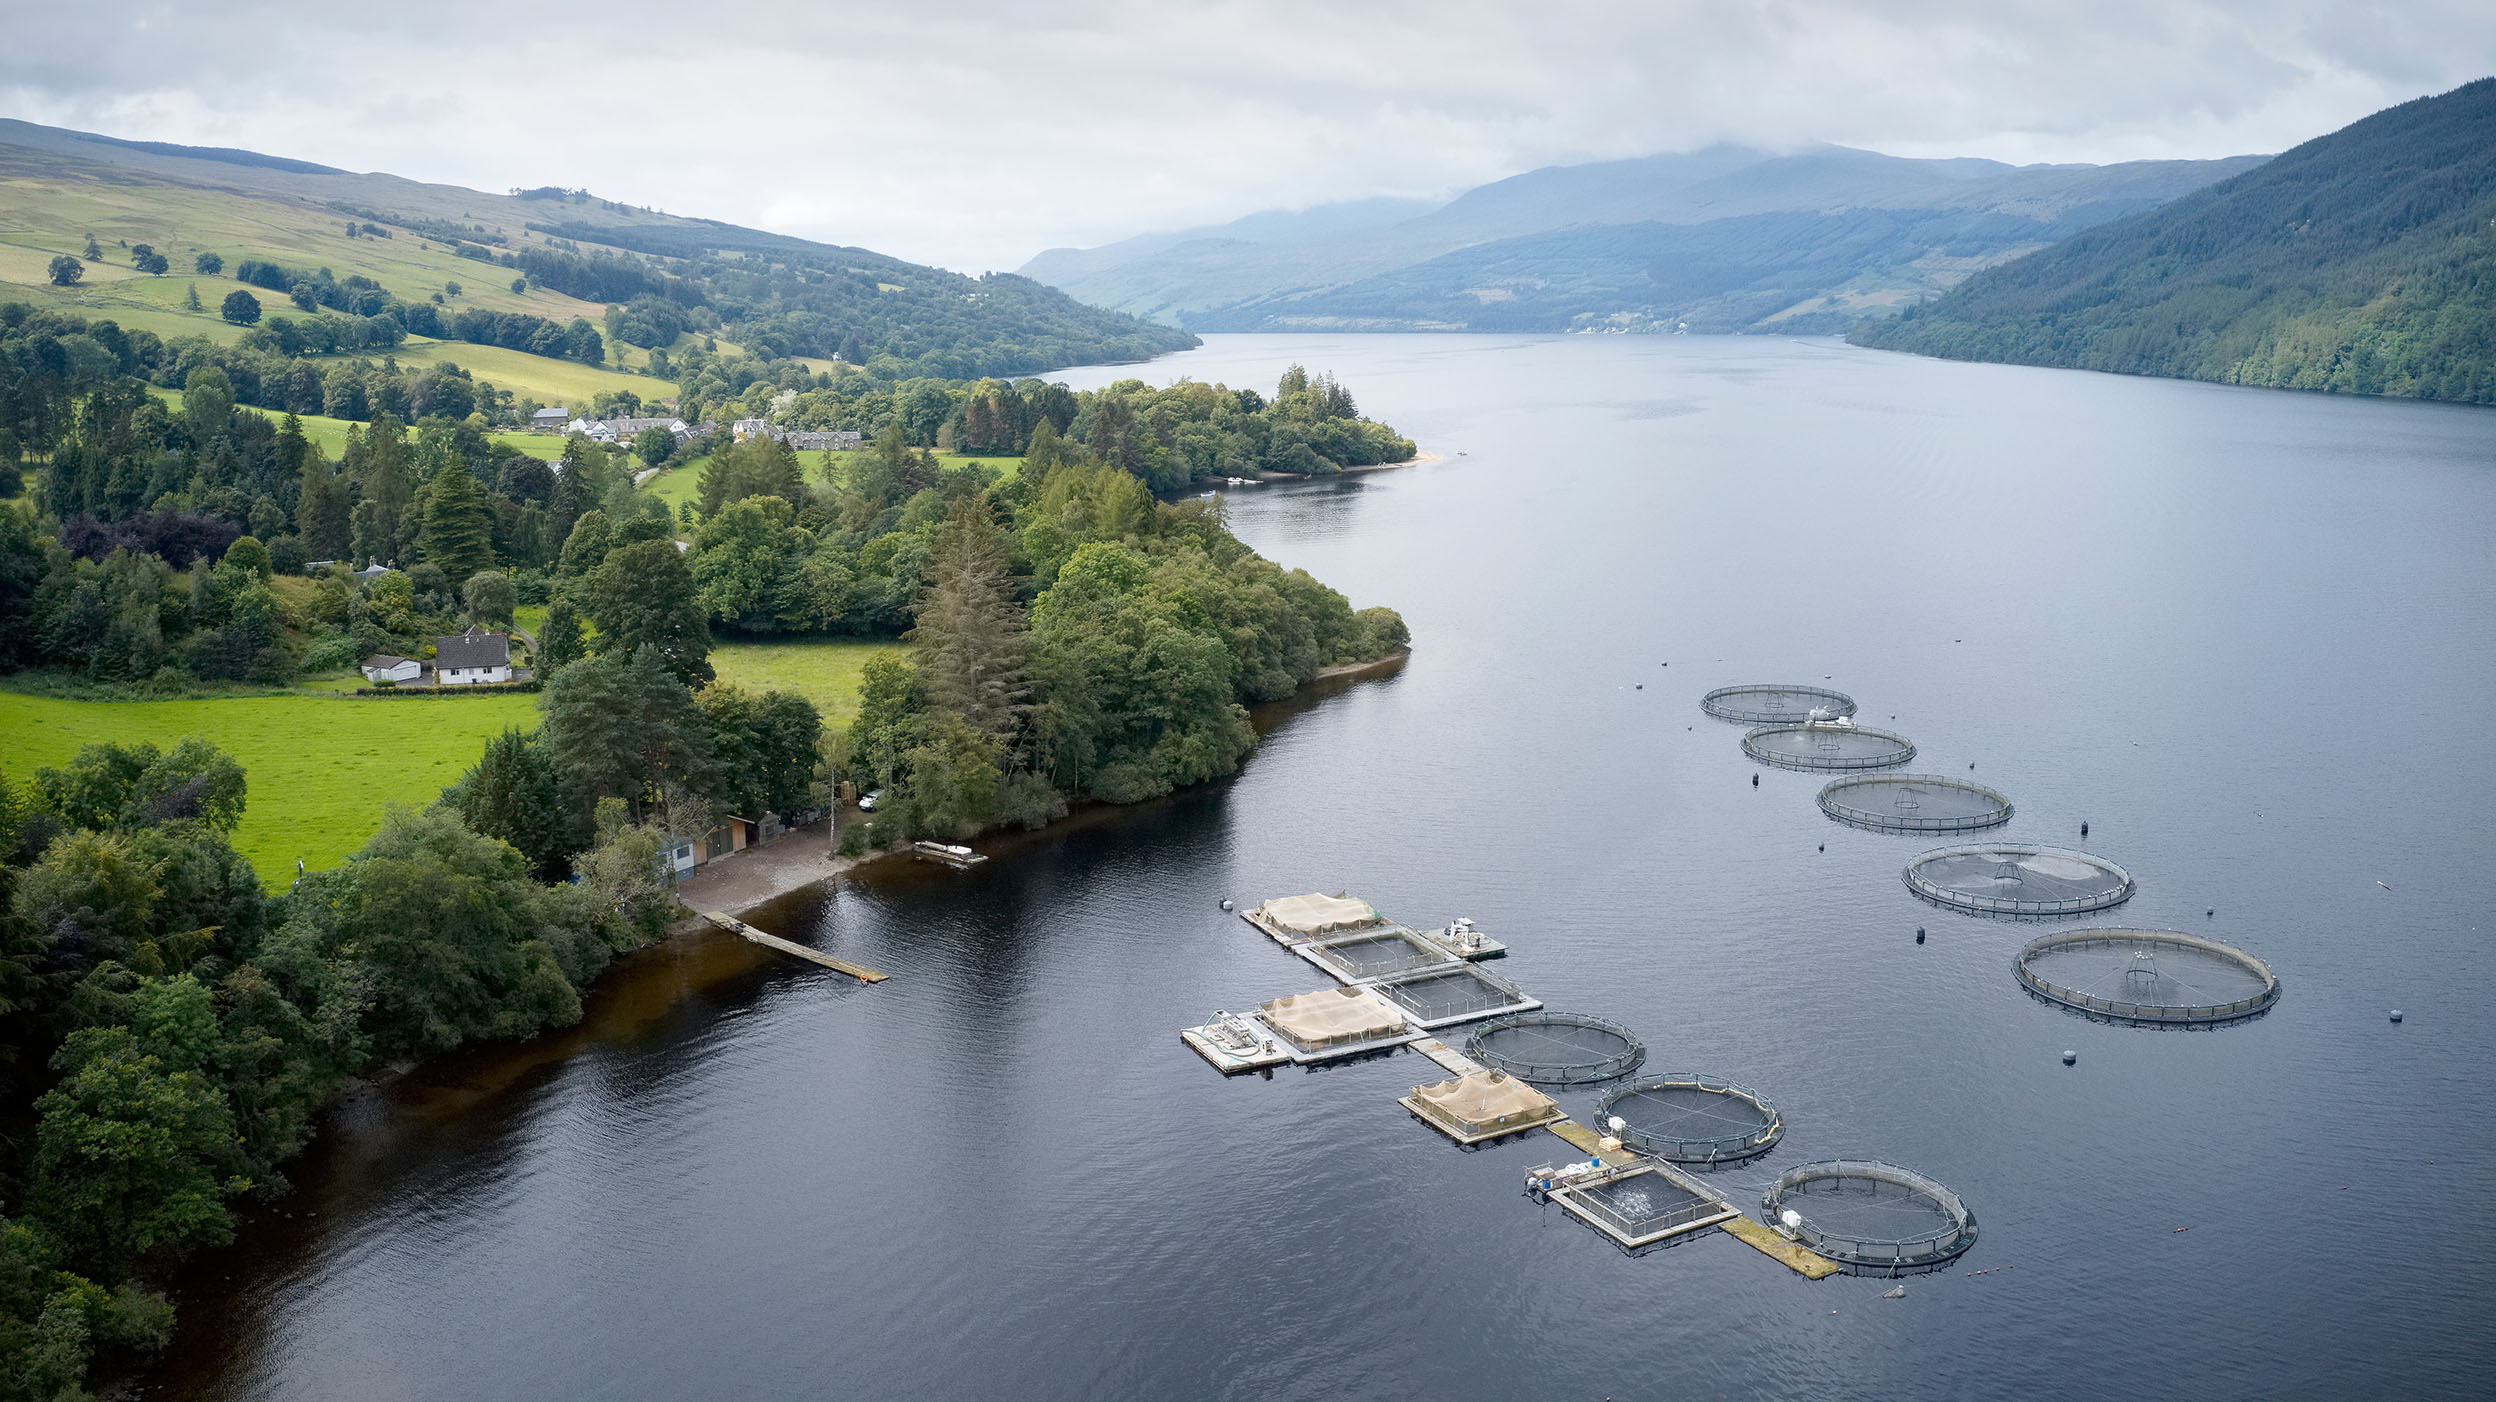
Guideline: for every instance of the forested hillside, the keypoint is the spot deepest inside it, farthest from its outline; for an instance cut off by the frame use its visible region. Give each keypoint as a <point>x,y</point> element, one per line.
<point>220,244</point>
<point>2361,262</point>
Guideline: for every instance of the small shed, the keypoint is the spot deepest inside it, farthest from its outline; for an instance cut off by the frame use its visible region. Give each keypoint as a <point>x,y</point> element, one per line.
<point>382,667</point>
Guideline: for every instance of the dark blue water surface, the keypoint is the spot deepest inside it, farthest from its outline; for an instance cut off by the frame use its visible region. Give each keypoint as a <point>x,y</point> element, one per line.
<point>2249,637</point>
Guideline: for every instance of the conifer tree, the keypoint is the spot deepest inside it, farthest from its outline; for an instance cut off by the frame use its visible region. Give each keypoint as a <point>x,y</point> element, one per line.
<point>458,524</point>
<point>973,641</point>
<point>559,637</point>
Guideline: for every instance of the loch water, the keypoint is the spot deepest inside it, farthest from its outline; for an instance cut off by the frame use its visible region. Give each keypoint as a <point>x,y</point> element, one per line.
<point>2248,637</point>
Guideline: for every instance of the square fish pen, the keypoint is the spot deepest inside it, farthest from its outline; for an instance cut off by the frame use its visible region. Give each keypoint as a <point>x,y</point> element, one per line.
<point>1636,1205</point>
<point>1443,997</point>
<point>1334,1022</point>
<point>1374,954</point>
<point>1293,919</point>
<point>1480,1106</point>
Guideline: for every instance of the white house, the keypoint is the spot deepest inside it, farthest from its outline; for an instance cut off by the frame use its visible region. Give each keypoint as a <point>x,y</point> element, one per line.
<point>382,667</point>
<point>473,658</point>
<point>624,430</point>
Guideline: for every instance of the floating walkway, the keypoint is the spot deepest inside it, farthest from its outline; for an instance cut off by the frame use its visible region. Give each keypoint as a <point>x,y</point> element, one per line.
<point>812,956</point>
<point>1387,972</point>
<point>1770,1243</point>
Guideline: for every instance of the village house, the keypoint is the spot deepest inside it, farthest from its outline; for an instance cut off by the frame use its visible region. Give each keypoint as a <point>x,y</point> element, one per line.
<point>550,419</point>
<point>612,431</point>
<point>473,658</point>
<point>382,667</point>
<point>839,440</point>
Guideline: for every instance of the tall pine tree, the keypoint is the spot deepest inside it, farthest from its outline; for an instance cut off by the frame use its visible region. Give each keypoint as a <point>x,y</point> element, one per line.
<point>973,640</point>
<point>458,534</point>
<point>321,512</point>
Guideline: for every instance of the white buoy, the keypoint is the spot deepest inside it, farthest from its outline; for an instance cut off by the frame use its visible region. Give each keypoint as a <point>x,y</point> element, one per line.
<point>2070,1056</point>
<point>2396,1014</point>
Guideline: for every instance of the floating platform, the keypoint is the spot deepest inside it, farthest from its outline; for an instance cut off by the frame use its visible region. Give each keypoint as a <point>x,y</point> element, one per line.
<point>1450,994</point>
<point>1637,1203</point>
<point>1365,956</point>
<point>1333,1023</point>
<point>1446,1055</point>
<point>1289,920</point>
<point>813,956</point>
<point>958,857</point>
<point>1235,1042</point>
<point>1481,1105</point>
<point>1772,1244</point>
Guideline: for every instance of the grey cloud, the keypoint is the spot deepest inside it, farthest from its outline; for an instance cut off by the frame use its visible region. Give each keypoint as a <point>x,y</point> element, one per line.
<point>975,133</point>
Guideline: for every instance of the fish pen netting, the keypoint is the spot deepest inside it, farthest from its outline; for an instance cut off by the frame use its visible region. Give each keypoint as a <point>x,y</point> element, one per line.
<point>1873,1214</point>
<point>1689,1119</point>
<point>2147,975</point>
<point>1766,705</point>
<point>1456,993</point>
<point>1641,1204</point>
<point>1566,1049</point>
<point>1914,803</point>
<point>2018,880</point>
<point>1376,956</point>
<point>1827,747</point>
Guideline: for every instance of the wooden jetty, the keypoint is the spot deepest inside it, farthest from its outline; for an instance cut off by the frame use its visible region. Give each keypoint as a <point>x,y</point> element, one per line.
<point>735,926</point>
<point>957,857</point>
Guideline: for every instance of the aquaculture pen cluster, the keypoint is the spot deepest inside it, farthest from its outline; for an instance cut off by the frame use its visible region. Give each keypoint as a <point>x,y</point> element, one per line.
<point>1395,986</point>
<point>1873,1215</point>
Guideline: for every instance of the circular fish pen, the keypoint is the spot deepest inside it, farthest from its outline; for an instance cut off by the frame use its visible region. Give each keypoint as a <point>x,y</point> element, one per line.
<point>1557,1049</point>
<point>2160,978</point>
<point>1871,1215</point>
<point>1689,1118</point>
<point>1827,747</point>
<point>2018,882</point>
<point>1768,705</point>
<point>1914,803</point>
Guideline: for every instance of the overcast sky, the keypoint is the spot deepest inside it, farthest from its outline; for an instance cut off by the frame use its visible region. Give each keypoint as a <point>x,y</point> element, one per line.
<point>974,134</point>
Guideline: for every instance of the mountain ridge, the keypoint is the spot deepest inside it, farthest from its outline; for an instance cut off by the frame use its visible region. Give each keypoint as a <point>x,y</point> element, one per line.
<point>2362,261</point>
<point>1412,274</point>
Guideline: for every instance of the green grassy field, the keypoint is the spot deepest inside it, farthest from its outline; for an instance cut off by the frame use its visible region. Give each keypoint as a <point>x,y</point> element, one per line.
<point>319,771</point>
<point>46,214</point>
<point>331,434</point>
<point>823,672</point>
<point>549,381</point>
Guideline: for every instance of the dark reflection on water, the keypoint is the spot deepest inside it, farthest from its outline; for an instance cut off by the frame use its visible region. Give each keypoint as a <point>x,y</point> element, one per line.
<point>2238,633</point>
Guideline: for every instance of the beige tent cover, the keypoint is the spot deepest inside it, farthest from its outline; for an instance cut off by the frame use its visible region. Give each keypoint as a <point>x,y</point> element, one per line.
<point>1314,914</point>
<point>1485,1098</point>
<point>1331,1015</point>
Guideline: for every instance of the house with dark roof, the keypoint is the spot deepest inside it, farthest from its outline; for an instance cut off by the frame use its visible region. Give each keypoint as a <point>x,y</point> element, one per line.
<point>473,658</point>
<point>550,419</point>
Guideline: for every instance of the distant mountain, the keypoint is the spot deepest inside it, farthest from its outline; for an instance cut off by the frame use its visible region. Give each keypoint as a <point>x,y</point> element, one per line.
<point>1723,239</point>
<point>771,294</point>
<point>2363,261</point>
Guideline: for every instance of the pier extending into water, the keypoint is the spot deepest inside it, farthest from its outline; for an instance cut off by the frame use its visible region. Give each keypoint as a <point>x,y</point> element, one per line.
<point>735,926</point>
